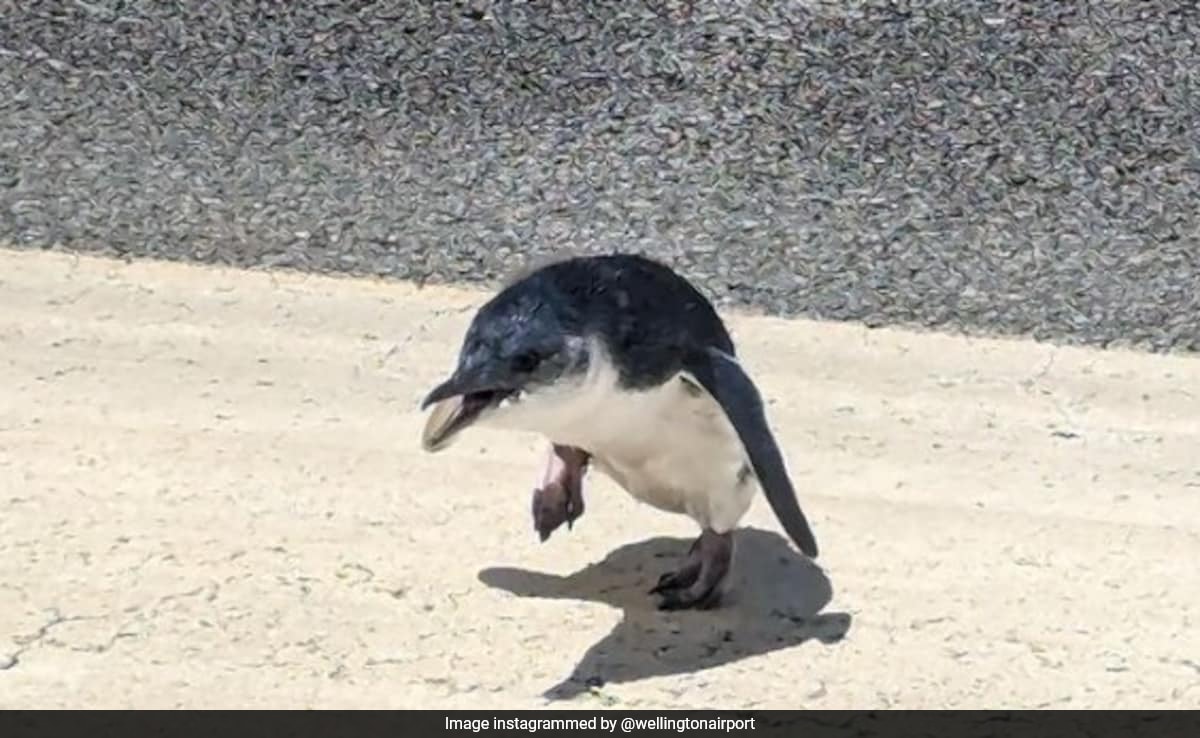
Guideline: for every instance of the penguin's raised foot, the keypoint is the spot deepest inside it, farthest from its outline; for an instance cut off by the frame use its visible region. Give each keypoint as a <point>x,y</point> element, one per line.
<point>699,583</point>
<point>553,506</point>
<point>560,498</point>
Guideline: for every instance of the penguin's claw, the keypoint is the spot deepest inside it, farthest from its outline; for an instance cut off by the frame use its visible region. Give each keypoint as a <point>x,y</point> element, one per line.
<point>554,505</point>
<point>685,599</point>
<point>681,579</point>
<point>548,511</point>
<point>699,583</point>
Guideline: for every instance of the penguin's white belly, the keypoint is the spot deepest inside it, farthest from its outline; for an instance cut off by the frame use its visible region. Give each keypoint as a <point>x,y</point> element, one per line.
<point>671,447</point>
<point>701,481</point>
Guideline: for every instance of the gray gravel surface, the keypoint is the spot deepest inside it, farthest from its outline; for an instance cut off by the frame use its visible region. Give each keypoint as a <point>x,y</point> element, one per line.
<point>1019,167</point>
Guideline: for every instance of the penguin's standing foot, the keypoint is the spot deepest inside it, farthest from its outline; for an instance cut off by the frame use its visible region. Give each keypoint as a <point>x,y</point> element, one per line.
<point>559,499</point>
<point>699,583</point>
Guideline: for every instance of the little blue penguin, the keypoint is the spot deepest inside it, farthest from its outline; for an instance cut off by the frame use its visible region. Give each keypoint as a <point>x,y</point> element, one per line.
<point>621,364</point>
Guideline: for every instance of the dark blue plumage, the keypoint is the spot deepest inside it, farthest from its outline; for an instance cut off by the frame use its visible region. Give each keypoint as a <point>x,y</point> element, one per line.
<point>621,361</point>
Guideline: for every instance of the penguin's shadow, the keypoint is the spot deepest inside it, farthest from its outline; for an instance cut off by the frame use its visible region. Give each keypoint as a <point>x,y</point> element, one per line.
<point>775,602</point>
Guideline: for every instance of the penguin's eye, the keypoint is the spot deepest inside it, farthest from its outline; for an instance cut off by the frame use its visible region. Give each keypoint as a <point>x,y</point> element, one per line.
<point>525,362</point>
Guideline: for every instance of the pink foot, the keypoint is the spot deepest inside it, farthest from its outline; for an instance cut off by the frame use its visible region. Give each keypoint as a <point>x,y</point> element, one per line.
<point>559,497</point>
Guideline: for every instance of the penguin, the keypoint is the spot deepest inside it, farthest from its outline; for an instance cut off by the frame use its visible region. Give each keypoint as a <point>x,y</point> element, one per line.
<point>624,366</point>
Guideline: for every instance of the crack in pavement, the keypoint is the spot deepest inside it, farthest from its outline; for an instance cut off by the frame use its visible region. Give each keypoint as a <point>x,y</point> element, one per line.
<point>41,636</point>
<point>28,642</point>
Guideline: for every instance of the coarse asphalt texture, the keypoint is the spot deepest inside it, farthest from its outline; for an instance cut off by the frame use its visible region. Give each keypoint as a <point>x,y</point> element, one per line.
<point>1019,167</point>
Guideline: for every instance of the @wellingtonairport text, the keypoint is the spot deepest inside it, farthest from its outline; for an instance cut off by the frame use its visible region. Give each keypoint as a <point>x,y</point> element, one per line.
<point>602,724</point>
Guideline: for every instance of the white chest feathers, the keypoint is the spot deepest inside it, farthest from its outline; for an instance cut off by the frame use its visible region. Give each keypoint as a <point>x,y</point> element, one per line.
<point>671,446</point>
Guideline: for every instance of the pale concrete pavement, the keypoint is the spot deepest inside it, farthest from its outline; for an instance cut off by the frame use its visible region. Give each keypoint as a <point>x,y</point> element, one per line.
<point>213,495</point>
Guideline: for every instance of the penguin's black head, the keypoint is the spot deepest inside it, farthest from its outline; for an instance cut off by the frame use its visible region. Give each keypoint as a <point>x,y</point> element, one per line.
<point>519,344</point>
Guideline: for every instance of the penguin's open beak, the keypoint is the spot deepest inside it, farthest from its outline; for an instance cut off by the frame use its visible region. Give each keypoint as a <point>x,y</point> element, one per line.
<point>458,402</point>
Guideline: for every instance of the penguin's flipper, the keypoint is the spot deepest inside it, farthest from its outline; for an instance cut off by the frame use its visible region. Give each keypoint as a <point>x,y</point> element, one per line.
<point>722,376</point>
